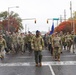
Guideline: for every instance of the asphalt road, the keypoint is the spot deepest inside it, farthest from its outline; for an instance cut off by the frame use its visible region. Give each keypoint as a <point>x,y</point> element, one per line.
<point>18,64</point>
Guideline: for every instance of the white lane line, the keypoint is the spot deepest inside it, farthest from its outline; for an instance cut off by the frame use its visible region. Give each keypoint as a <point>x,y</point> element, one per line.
<point>26,57</point>
<point>14,64</point>
<point>43,63</point>
<point>43,56</point>
<point>60,63</point>
<point>51,69</point>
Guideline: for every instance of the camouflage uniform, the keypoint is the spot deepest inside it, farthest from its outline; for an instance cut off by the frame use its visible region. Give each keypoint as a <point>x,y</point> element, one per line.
<point>72,38</point>
<point>8,38</point>
<point>14,42</point>
<point>74,42</point>
<point>69,42</point>
<point>37,46</point>
<point>29,40</point>
<point>20,43</point>
<point>25,43</point>
<point>2,46</point>
<point>45,41</point>
<point>64,43</point>
<point>57,46</point>
<point>61,35</point>
<point>50,44</point>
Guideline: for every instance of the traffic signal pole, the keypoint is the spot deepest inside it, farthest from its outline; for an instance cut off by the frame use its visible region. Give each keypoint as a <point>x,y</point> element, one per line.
<point>54,19</point>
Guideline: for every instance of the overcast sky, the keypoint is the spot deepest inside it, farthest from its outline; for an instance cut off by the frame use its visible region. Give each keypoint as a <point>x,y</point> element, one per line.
<point>39,9</point>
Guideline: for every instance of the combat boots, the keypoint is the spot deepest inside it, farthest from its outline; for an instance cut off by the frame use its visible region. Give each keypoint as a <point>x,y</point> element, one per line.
<point>36,65</point>
<point>40,64</point>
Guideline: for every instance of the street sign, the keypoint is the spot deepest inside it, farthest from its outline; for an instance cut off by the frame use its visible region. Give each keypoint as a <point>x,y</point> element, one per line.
<point>55,18</point>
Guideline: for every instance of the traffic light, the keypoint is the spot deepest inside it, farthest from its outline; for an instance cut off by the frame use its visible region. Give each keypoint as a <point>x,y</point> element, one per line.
<point>47,21</point>
<point>35,21</point>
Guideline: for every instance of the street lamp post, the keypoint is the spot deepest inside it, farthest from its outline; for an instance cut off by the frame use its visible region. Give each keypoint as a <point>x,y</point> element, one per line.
<point>8,14</point>
<point>31,19</point>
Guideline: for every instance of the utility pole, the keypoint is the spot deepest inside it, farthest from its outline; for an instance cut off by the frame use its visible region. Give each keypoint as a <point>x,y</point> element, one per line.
<point>64,15</point>
<point>71,9</point>
<point>71,15</point>
<point>9,15</point>
<point>72,19</point>
<point>25,27</point>
<point>60,18</point>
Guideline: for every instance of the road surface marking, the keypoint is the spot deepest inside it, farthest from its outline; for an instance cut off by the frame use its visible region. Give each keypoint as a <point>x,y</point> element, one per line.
<point>51,69</point>
<point>43,63</point>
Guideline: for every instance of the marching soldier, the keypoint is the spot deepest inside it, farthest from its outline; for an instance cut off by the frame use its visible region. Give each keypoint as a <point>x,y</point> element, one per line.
<point>29,40</point>
<point>20,43</point>
<point>45,40</point>
<point>2,47</point>
<point>37,46</point>
<point>25,42</point>
<point>72,38</point>
<point>69,41</point>
<point>64,43</point>
<point>50,44</point>
<point>56,46</point>
<point>8,38</point>
<point>14,42</point>
<point>61,35</point>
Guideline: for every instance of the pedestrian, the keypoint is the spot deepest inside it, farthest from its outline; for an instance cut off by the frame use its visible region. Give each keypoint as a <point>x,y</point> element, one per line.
<point>37,46</point>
